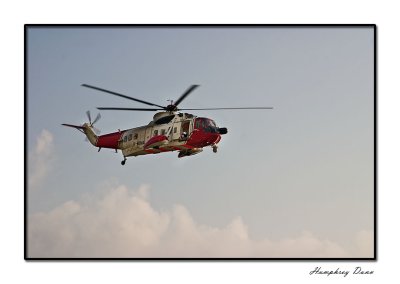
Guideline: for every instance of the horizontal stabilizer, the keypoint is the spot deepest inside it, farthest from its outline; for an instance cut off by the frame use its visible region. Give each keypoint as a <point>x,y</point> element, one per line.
<point>73,126</point>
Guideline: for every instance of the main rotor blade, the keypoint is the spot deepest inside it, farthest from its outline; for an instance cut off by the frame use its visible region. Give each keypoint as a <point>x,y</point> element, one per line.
<point>121,95</point>
<point>223,108</point>
<point>125,108</point>
<point>185,94</point>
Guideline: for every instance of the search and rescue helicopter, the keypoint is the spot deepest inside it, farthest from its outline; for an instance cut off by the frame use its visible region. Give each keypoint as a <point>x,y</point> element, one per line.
<point>170,129</point>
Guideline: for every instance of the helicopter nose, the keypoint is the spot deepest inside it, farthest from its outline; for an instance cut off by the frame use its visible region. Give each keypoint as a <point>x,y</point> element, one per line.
<point>222,130</point>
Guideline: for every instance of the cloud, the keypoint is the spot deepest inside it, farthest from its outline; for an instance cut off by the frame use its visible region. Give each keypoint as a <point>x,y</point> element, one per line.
<point>123,223</point>
<point>40,159</point>
<point>365,243</point>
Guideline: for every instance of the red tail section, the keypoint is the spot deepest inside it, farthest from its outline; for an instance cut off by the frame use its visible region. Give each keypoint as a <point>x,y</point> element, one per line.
<point>109,140</point>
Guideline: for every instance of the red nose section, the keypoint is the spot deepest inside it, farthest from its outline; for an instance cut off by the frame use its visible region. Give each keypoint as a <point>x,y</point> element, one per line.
<point>201,139</point>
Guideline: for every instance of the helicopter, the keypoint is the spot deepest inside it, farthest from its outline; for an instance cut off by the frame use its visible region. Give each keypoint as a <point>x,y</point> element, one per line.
<point>170,130</point>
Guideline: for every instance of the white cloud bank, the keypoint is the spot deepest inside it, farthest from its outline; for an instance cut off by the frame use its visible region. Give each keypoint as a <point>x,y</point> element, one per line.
<point>122,223</point>
<point>40,159</point>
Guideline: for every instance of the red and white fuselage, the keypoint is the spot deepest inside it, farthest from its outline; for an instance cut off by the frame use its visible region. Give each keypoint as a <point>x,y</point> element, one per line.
<point>168,131</point>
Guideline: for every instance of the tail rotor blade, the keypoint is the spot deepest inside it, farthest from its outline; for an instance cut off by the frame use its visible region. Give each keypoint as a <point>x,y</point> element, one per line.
<point>97,118</point>
<point>89,116</point>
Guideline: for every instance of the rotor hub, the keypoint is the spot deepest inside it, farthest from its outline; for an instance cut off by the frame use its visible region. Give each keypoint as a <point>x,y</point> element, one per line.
<point>171,108</point>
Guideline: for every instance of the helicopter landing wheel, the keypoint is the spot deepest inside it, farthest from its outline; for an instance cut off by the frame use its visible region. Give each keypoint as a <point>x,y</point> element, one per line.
<point>123,162</point>
<point>215,148</point>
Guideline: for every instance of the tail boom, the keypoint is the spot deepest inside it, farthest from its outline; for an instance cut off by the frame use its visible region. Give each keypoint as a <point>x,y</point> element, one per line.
<point>110,140</point>
<point>87,130</point>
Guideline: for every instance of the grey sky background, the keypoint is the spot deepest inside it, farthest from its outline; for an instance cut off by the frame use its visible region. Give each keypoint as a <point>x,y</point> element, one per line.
<point>307,165</point>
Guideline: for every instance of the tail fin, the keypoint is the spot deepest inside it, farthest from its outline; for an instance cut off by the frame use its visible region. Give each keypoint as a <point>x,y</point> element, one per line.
<point>74,126</point>
<point>87,130</point>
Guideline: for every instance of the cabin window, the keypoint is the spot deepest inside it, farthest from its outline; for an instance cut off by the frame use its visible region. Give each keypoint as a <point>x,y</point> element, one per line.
<point>130,137</point>
<point>135,136</point>
<point>175,129</point>
<point>125,138</point>
<point>162,131</point>
<point>164,120</point>
<point>155,132</point>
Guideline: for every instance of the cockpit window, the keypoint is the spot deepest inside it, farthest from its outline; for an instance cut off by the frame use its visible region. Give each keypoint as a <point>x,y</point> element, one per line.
<point>199,124</point>
<point>206,124</point>
<point>210,122</point>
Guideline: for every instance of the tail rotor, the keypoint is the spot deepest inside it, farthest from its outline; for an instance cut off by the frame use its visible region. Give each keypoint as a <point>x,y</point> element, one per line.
<point>91,124</point>
<point>88,129</point>
<point>90,118</point>
<point>97,118</point>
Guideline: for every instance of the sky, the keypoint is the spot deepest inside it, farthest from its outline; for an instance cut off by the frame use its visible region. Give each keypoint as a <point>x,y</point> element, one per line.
<point>295,181</point>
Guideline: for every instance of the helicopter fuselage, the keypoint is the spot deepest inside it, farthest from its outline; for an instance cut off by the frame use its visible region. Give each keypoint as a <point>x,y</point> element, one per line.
<point>167,132</point>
